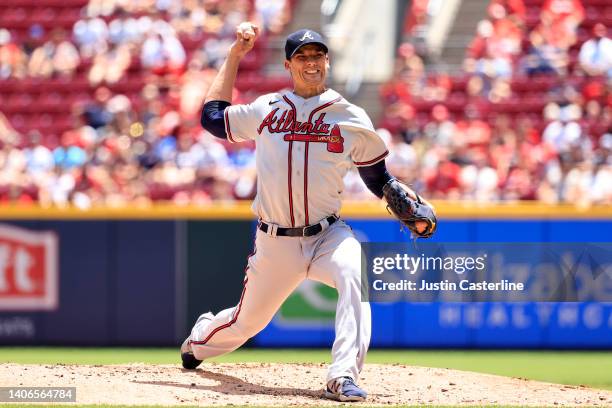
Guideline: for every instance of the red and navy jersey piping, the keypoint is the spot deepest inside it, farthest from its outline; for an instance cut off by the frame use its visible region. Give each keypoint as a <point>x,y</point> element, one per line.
<point>373,161</point>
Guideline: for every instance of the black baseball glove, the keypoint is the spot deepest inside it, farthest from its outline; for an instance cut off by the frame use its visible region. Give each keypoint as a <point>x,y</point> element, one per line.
<point>408,210</point>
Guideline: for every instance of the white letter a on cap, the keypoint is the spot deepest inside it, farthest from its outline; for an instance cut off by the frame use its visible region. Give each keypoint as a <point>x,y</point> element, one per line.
<point>307,35</point>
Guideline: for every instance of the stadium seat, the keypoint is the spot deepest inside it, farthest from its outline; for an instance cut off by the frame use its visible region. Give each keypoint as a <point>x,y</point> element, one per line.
<point>532,18</point>
<point>459,83</point>
<point>456,101</point>
<point>9,85</point>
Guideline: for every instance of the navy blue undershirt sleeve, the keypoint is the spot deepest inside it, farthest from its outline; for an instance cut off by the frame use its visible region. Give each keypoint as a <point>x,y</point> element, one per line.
<point>375,177</point>
<point>212,118</point>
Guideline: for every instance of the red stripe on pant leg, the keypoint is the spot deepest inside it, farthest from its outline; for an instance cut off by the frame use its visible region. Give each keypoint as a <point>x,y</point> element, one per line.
<point>238,308</point>
<point>226,325</point>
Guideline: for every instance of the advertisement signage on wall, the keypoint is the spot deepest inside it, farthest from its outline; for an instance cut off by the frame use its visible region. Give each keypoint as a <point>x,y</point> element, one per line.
<point>109,283</point>
<point>28,269</point>
<point>574,311</point>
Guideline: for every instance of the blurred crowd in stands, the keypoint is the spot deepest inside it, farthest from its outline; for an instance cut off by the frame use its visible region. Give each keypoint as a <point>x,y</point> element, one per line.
<point>141,146</point>
<point>528,119</point>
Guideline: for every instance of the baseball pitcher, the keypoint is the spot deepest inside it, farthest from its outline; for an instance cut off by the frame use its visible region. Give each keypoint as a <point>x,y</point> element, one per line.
<point>306,139</point>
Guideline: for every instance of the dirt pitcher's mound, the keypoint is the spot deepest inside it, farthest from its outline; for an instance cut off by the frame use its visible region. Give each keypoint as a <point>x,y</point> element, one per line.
<point>290,384</point>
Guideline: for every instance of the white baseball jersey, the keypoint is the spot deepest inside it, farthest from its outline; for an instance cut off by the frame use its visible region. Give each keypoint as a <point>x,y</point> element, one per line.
<point>304,149</point>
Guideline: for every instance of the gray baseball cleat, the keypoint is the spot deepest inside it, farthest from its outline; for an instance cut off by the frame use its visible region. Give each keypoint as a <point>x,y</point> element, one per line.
<point>344,389</point>
<point>189,360</point>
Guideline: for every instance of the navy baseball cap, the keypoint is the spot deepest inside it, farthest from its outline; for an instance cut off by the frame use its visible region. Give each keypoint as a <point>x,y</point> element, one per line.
<point>301,38</point>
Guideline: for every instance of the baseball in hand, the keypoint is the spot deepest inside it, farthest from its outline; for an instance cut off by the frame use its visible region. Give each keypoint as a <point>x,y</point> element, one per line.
<point>246,30</point>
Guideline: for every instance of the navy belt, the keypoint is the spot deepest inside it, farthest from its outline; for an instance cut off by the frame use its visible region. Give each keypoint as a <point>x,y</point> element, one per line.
<point>307,231</point>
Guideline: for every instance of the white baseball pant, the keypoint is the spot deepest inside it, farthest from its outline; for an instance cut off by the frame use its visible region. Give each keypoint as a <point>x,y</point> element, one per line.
<point>275,269</point>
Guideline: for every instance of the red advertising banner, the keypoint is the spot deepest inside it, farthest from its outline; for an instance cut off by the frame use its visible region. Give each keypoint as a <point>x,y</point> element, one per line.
<point>28,269</point>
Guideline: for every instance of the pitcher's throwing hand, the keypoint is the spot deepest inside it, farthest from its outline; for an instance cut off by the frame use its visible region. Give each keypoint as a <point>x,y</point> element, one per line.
<point>246,35</point>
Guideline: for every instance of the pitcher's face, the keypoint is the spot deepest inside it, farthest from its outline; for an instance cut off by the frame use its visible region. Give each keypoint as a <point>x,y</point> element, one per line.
<point>308,66</point>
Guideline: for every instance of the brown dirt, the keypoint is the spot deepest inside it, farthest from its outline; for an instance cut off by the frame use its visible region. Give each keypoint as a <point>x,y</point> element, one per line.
<point>291,384</point>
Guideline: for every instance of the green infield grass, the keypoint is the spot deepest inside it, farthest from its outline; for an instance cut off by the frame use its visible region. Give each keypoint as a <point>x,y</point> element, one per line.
<point>575,368</point>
